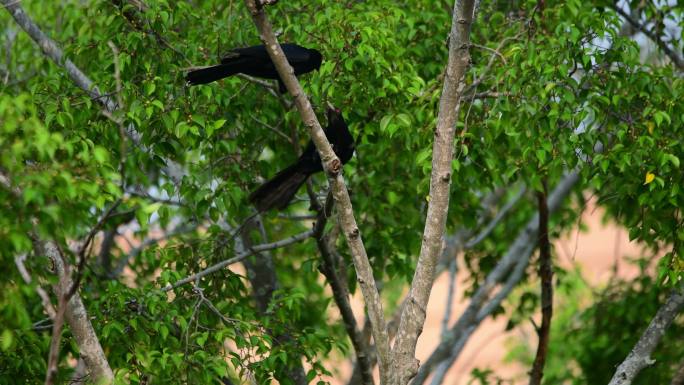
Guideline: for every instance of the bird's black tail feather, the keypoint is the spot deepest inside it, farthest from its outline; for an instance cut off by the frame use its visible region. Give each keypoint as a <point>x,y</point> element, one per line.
<point>211,74</point>
<point>278,191</point>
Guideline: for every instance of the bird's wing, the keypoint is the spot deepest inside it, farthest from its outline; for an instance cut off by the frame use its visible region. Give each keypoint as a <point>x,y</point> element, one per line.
<point>254,52</point>
<point>296,53</point>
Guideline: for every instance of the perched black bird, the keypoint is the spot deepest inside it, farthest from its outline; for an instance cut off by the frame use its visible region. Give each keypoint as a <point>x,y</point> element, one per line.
<point>254,61</point>
<point>279,190</point>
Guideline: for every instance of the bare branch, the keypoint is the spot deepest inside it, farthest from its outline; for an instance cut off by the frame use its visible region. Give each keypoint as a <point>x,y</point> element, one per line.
<point>674,56</point>
<point>44,297</point>
<point>678,378</point>
<point>251,251</point>
<point>57,325</point>
<point>496,220</point>
<point>52,51</point>
<point>133,253</point>
<point>454,244</point>
<point>640,356</point>
<point>451,290</point>
<point>546,274</point>
<point>273,128</point>
<point>516,258</point>
<point>333,168</point>
<point>413,315</point>
<point>511,282</point>
<point>340,292</point>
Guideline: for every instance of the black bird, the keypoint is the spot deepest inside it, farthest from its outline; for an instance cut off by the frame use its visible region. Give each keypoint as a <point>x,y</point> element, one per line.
<point>278,191</point>
<point>254,61</point>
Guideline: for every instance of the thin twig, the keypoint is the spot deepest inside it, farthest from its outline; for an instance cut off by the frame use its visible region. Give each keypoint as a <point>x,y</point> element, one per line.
<point>492,50</point>
<point>272,128</point>
<point>137,21</point>
<point>264,83</point>
<point>297,217</point>
<point>251,251</point>
<point>485,95</point>
<point>83,249</point>
<point>44,297</point>
<point>133,253</point>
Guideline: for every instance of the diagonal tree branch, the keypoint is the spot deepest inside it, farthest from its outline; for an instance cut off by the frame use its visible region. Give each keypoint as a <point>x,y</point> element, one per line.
<point>44,297</point>
<point>640,356</point>
<point>512,281</point>
<point>462,239</point>
<point>82,81</point>
<point>52,51</point>
<point>149,242</point>
<point>678,378</point>
<point>674,56</point>
<point>333,167</point>
<point>330,269</point>
<point>516,258</point>
<point>413,313</point>
<point>240,257</point>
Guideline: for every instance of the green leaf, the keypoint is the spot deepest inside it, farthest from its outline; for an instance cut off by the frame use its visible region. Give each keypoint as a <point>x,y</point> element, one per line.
<point>660,116</point>
<point>213,127</point>
<point>385,121</point>
<point>149,88</point>
<point>672,159</point>
<point>6,339</point>
<point>404,119</point>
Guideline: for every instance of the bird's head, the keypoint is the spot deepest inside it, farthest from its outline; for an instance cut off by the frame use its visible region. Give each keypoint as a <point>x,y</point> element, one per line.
<point>333,113</point>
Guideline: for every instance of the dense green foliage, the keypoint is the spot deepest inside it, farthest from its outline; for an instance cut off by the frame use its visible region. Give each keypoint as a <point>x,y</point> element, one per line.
<point>561,82</point>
